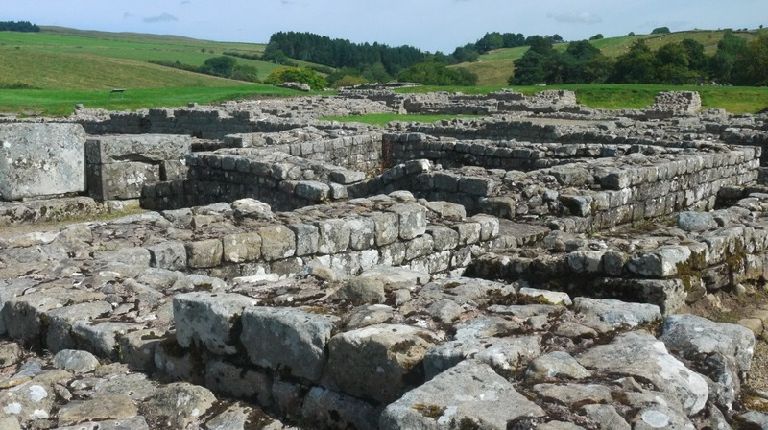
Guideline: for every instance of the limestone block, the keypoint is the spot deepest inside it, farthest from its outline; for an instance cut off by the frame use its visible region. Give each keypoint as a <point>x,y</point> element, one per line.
<point>39,160</point>
<point>287,339</point>
<point>381,356</point>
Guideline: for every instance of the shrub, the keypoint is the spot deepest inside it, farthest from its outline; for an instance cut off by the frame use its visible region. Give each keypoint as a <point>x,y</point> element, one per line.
<point>301,75</point>
<point>661,30</point>
<point>436,73</point>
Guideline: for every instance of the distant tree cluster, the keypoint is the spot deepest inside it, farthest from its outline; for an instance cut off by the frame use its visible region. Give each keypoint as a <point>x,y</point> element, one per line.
<point>19,26</point>
<point>492,41</point>
<point>435,72</point>
<point>224,67</point>
<point>340,53</point>
<point>300,75</point>
<point>736,61</point>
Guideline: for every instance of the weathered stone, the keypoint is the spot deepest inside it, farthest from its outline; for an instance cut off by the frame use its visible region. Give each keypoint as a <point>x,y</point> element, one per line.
<point>277,242</point>
<point>178,405</point>
<point>242,247</point>
<point>640,354</point>
<point>42,159</point>
<point>286,339</point>
<point>75,361</point>
<point>412,219</point>
<point>382,355</point>
<point>468,393</point>
<point>204,254</point>
<point>209,319</point>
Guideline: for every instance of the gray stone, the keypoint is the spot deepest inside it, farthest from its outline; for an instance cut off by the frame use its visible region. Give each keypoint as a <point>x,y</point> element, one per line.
<point>204,254</point>
<point>313,191</point>
<point>693,337</point>
<point>178,405</point>
<point>381,356</point>
<point>617,313</point>
<point>253,209</point>
<point>41,159</point>
<point>168,256</point>
<point>606,417</point>
<point>386,227</point>
<point>329,409</point>
<point>147,148</point>
<point>307,239</point>
<point>242,247</point>
<point>469,393</point>
<point>75,361</point>
<point>696,221</point>
<point>334,236</point>
<point>412,219</point>
<point>135,423</point>
<point>277,242</point>
<point>555,365</point>
<point>208,320</point>
<point>287,339</point>
<point>574,394</point>
<point>640,354</point>
<point>105,407</point>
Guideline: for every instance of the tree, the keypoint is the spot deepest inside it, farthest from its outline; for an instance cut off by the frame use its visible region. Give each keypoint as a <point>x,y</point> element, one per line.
<point>597,37</point>
<point>436,73</point>
<point>376,72</point>
<point>729,48</point>
<point>489,42</point>
<point>661,30</point>
<point>584,63</point>
<point>301,75</point>
<point>219,66</point>
<point>697,59</point>
<point>751,65</point>
<point>465,54</point>
<point>19,26</point>
<point>636,66</point>
<point>540,64</point>
<point>673,65</point>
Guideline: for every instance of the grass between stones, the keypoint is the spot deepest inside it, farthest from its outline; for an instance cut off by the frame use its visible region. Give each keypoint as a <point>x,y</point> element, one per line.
<point>617,96</point>
<point>384,118</point>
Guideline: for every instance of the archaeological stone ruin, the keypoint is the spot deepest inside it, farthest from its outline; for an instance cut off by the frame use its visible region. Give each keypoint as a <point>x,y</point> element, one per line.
<point>536,265</point>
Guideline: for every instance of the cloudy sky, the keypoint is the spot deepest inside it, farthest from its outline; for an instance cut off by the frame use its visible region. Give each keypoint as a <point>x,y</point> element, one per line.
<point>427,24</point>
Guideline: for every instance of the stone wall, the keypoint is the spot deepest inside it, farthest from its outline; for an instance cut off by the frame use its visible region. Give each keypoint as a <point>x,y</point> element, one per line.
<point>118,166</point>
<point>712,251</point>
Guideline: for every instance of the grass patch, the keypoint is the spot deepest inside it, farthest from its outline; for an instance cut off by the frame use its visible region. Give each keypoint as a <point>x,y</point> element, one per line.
<point>618,96</point>
<point>62,102</point>
<point>384,118</point>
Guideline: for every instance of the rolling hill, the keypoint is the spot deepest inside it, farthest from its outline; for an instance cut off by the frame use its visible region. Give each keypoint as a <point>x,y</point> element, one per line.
<point>60,58</point>
<point>495,67</point>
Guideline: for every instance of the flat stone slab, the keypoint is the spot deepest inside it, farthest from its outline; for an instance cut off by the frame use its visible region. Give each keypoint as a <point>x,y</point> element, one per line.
<point>470,393</point>
<point>38,160</point>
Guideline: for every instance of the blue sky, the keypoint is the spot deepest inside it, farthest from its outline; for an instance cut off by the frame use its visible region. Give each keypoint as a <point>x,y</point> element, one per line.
<point>427,24</point>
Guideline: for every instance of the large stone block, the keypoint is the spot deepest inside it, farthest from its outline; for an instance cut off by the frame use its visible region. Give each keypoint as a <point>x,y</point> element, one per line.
<point>287,339</point>
<point>145,148</point>
<point>209,320</point>
<point>120,181</point>
<point>41,160</point>
<point>386,356</point>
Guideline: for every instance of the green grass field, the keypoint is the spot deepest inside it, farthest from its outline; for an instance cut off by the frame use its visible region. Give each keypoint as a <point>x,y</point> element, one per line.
<point>615,96</point>
<point>495,67</point>
<point>62,102</point>
<point>59,58</point>
<point>382,119</point>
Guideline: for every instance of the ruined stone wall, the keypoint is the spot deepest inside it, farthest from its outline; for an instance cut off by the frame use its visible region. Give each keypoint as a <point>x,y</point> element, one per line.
<point>118,166</point>
<point>201,123</point>
<point>712,251</point>
<point>507,155</point>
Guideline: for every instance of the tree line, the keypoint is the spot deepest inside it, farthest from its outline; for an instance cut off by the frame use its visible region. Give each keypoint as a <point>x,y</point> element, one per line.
<point>737,61</point>
<point>19,26</point>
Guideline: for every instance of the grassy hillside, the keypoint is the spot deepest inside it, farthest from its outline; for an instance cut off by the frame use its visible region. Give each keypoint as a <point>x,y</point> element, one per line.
<point>495,67</point>
<point>614,96</point>
<point>71,59</point>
